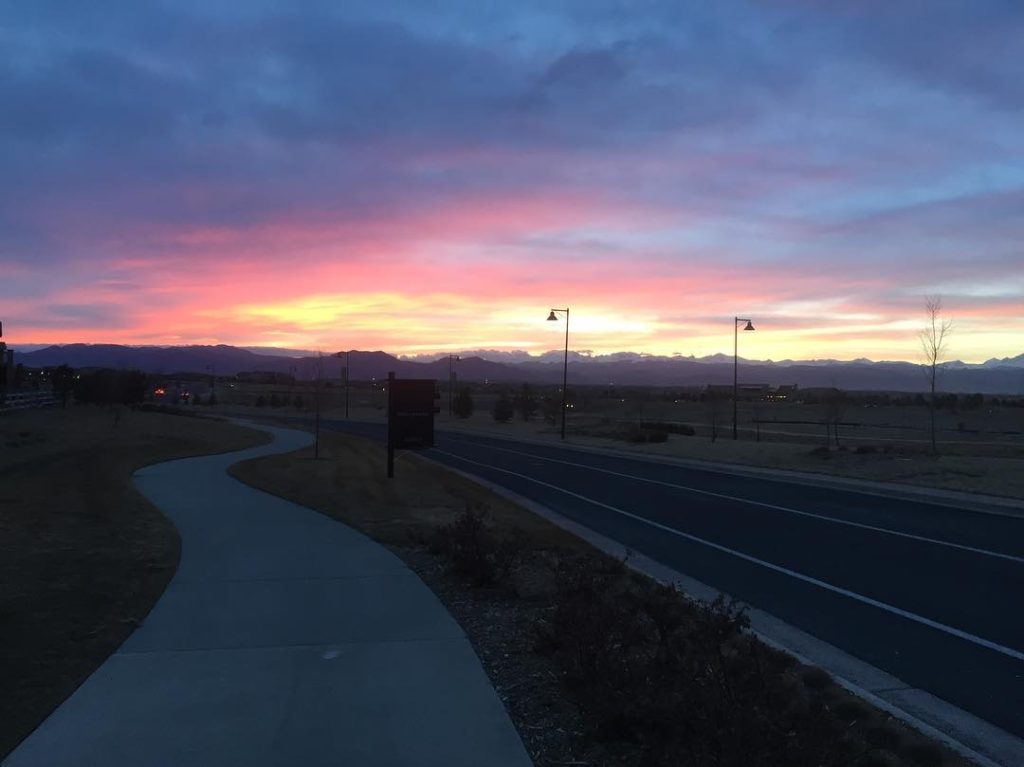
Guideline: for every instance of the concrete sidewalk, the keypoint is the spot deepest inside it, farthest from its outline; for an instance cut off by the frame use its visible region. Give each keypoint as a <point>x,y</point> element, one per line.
<point>284,638</point>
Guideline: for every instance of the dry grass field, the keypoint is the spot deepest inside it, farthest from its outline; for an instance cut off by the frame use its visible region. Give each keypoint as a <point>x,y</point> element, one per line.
<point>83,556</point>
<point>347,483</point>
<point>957,468</point>
<point>981,450</point>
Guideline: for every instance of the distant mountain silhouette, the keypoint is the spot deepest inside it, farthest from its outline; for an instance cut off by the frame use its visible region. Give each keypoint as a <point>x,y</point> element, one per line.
<point>1014,362</point>
<point>995,376</point>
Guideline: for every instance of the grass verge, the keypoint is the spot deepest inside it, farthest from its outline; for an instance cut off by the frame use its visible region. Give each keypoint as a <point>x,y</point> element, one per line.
<point>596,664</point>
<point>83,556</point>
<point>995,469</point>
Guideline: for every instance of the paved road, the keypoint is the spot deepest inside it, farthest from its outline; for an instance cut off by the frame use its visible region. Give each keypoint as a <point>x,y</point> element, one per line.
<point>932,595</point>
<point>284,638</point>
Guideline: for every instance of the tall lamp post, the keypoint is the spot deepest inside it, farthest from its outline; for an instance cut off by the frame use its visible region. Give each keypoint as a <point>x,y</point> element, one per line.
<point>452,359</point>
<point>565,359</point>
<point>344,378</point>
<point>736,364</point>
<point>316,403</point>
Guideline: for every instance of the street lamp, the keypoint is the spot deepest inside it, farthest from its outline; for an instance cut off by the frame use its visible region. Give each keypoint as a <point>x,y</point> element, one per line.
<point>316,403</point>
<point>565,361</point>
<point>736,364</point>
<point>344,378</point>
<point>452,358</point>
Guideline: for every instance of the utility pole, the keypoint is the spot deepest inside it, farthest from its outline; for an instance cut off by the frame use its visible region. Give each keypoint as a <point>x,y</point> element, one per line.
<point>316,404</point>
<point>452,358</point>
<point>344,378</point>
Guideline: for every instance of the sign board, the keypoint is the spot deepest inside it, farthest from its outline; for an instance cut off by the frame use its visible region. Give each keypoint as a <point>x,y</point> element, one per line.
<point>411,411</point>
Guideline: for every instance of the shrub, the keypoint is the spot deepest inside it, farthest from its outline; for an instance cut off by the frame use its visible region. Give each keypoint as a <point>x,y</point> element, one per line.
<point>924,754</point>
<point>682,680</point>
<point>671,428</point>
<point>640,434</point>
<point>815,678</point>
<point>883,736</point>
<point>110,387</point>
<point>551,407</point>
<point>526,403</point>
<point>463,403</point>
<point>637,432</point>
<point>503,409</point>
<point>474,551</point>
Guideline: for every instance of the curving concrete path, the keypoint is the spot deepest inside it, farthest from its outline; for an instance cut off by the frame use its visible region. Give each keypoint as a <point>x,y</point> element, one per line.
<point>284,638</point>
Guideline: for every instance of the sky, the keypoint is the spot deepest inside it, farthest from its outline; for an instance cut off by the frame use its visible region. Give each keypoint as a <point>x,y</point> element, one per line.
<point>430,176</point>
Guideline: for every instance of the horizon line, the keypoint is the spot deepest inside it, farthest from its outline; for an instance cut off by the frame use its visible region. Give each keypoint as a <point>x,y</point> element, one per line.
<point>533,356</point>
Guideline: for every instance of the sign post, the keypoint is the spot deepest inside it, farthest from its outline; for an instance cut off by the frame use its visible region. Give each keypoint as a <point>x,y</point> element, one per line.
<point>411,411</point>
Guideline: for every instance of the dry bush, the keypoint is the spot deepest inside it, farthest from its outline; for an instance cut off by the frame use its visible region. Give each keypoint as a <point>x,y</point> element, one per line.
<point>474,550</point>
<point>670,428</point>
<point>683,680</point>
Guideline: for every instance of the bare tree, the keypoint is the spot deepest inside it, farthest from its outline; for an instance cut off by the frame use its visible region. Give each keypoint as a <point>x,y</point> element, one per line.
<point>755,412</point>
<point>715,406</point>
<point>319,367</point>
<point>834,410</point>
<point>934,341</point>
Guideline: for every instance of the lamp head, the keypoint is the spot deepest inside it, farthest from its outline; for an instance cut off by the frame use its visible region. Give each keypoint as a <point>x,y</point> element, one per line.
<point>552,317</point>
<point>750,325</point>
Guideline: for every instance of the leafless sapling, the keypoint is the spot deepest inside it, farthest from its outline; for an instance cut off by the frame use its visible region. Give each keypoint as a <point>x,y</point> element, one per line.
<point>934,339</point>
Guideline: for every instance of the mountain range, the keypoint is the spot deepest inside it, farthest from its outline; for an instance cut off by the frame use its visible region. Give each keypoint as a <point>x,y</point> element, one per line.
<point>995,376</point>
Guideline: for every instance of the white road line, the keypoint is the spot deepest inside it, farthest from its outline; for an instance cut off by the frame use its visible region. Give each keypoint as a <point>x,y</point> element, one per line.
<point>980,641</point>
<point>762,504</point>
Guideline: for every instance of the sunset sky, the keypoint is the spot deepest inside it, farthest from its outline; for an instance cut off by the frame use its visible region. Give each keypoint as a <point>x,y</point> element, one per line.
<point>430,176</point>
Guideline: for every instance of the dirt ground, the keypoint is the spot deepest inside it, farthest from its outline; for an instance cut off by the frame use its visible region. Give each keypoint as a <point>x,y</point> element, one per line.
<point>83,556</point>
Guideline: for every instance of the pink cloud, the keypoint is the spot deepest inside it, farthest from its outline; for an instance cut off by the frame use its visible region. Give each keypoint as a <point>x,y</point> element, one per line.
<point>480,267</point>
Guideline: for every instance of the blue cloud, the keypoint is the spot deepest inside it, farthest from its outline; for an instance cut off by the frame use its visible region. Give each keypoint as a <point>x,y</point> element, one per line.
<point>770,122</point>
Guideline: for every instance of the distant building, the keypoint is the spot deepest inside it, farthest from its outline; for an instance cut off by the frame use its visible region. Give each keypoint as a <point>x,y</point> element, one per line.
<point>265,377</point>
<point>757,391</point>
<point>785,393</point>
<point>718,391</point>
<point>815,395</point>
<point>752,392</point>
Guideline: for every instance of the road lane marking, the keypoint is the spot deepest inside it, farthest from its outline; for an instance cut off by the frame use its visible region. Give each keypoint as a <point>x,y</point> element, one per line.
<point>762,504</point>
<point>952,631</point>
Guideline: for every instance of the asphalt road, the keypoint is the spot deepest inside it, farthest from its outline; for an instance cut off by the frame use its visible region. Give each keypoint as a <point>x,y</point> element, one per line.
<point>933,595</point>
